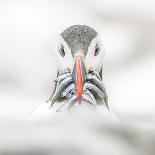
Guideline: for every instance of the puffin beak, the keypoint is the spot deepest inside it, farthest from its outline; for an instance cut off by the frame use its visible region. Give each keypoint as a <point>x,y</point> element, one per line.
<point>78,75</point>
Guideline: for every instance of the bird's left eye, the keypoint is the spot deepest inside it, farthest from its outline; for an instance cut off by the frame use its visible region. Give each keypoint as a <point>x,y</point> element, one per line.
<point>62,51</point>
<point>97,50</point>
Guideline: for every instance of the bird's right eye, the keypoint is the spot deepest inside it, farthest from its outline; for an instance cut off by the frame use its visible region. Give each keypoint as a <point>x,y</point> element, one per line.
<point>97,50</point>
<point>62,51</point>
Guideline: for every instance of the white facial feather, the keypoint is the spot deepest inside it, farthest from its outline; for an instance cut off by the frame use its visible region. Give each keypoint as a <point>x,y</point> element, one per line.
<point>95,61</point>
<point>66,61</point>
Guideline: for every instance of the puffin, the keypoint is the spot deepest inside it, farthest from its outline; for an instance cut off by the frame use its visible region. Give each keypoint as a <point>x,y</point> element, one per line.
<point>79,54</point>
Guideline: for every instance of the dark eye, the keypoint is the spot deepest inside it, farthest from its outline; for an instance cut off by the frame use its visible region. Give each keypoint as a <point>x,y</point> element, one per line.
<point>97,50</point>
<point>61,51</point>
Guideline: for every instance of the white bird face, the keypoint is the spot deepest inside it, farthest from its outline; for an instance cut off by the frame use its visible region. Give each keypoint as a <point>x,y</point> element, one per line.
<point>93,59</point>
<point>63,55</point>
<point>95,54</point>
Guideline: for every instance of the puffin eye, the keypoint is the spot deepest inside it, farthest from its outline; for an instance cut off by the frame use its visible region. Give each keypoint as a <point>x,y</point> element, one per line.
<point>97,50</point>
<point>61,51</point>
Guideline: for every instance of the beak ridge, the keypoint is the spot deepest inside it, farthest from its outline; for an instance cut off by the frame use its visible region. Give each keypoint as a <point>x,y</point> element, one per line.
<point>78,75</point>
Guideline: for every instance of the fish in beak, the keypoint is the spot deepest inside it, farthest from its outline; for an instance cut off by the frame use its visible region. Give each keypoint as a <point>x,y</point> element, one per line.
<point>79,75</point>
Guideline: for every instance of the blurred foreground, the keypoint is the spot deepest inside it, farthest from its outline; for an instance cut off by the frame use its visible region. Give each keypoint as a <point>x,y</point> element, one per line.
<point>75,133</point>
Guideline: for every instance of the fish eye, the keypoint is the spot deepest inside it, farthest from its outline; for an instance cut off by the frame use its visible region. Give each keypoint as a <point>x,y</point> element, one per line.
<point>62,51</point>
<point>97,50</point>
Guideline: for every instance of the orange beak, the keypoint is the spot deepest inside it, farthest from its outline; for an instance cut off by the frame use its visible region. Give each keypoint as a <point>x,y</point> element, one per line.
<point>79,73</point>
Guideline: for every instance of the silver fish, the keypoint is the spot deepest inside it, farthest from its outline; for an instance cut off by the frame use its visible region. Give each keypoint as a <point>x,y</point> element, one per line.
<point>93,79</point>
<point>68,90</point>
<point>60,89</point>
<point>94,89</point>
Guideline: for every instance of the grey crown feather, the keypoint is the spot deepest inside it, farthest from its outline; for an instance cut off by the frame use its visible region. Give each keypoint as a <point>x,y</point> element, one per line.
<point>79,37</point>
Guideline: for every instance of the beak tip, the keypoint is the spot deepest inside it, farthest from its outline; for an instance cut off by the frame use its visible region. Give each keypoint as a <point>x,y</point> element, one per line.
<point>79,97</point>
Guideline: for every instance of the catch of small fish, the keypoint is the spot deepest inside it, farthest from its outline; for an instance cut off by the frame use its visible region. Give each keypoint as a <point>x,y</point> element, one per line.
<point>94,92</point>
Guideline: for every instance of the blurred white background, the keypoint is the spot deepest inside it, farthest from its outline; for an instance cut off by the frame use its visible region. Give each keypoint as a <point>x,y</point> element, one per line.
<point>28,32</point>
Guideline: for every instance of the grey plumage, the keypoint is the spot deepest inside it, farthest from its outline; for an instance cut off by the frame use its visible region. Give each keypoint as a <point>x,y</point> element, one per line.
<point>79,37</point>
